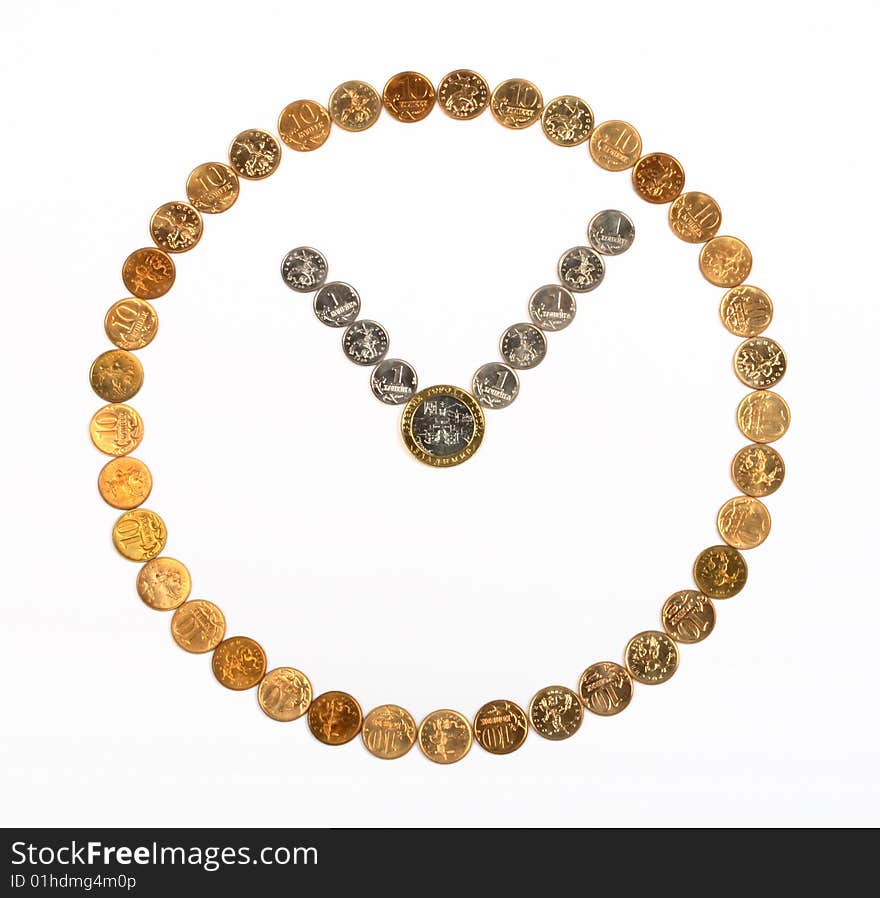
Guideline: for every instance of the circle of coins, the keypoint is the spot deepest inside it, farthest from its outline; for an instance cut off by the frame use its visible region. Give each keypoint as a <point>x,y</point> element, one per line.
<point>443,425</point>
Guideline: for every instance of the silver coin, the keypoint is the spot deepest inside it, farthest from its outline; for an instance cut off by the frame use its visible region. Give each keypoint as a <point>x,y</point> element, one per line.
<point>611,232</point>
<point>337,304</point>
<point>365,342</point>
<point>304,269</point>
<point>443,425</point>
<point>495,385</point>
<point>581,269</point>
<point>394,381</point>
<point>552,307</point>
<point>523,345</point>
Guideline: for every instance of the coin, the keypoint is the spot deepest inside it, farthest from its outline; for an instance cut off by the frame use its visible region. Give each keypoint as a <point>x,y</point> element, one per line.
<point>139,535</point>
<point>516,103</point>
<point>304,125</point>
<point>720,572</point>
<point>759,362</point>
<point>652,657</point>
<point>176,227</point>
<point>337,304</point>
<point>212,187</point>
<point>615,145</point>
<point>365,342</point>
<point>725,261</point>
<point>148,273</point>
<point>757,470</point>
<point>116,375</point>
<point>763,416</point>
<point>355,105</point>
<point>605,688</point>
<point>688,616</point>
<point>445,736</point>
<point>116,429</point>
<point>394,381</point>
<point>254,154</point>
<point>556,712</point>
<point>408,96</point>
<point>131,323</point>
<point>611,232</point>
<point>523,346</point>
<point>658,178</point>
<point>125,482</point>
<point>746,311</point>
<point>164,583</point>
<point>304,269</point>
<point>495,385</point>
<point>552,307</point>
<point>239,662</point>
<point>442,426</point>
<point>744,522</point>
<point>198,626</point>
<point>501,727</point>
<point>581,269</point>
<point>335,718</point>
<point>694,217</point>
<point>285,693</point>
<point>567,121</point>
<point>463,94</point>
<point>389,732</point>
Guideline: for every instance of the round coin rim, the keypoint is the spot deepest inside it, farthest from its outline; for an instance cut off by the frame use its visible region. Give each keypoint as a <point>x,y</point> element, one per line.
<point>446,461</point>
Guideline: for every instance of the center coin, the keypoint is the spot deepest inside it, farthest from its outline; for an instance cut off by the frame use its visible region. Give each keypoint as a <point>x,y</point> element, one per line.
<point>442,426</point>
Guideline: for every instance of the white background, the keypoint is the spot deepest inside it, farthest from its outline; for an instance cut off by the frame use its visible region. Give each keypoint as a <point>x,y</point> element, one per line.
<point>284,482</point>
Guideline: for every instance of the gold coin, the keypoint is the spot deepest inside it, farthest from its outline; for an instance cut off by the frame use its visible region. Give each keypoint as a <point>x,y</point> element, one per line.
<point>304,125</point>
<point>254,154</point>
<point>688,616</point>
<point>720,572</point>
<point>176,227</point>
<point>355,105</point>
<point>212,187</point>
<point>335,718</point>
<point>652,657</point>
<point>615,145</point>
<point>148,273</point>
<point>725,261</point>
<point>285,693</point>
<point>116,429</point>
<point>694,217</point>
<point>744,522</point>
<point>445,736</point>
<point>567,121</point>
<point>759,362</point>
<point>139,535</point>
<point>658,178</point>
<point>556,712</point>
<point>463,94</point>
<point>198,626</point>
<point>164,583</point>
<point>116,375</point>
<point>746,311</point>
<point>239,662</point>
<point>389,732</point>
<point>606,688</point>
<point>442,426</point>
<point>501,727</point>
<point>131,323</point>
<point>763,416</point>
<point>125,482</point>
<point>757,470</point>
<point>408,96</point>
<point>516,103</point>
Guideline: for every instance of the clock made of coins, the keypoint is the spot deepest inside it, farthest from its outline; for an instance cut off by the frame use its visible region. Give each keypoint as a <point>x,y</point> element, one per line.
<point>443,425</point>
